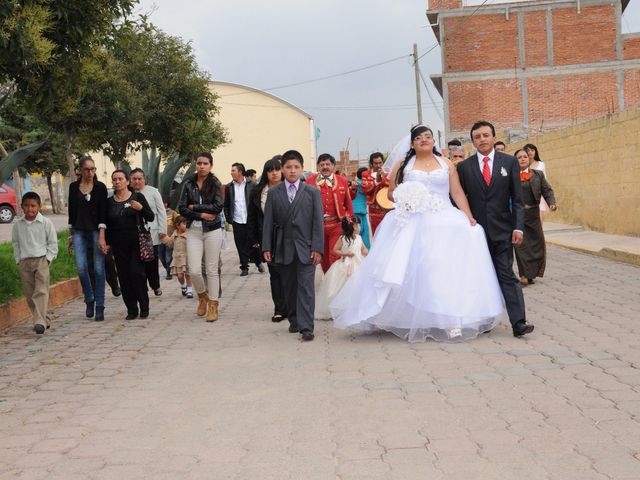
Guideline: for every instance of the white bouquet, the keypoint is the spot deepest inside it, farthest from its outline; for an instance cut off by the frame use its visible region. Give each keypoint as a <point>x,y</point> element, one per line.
<point>414,197</point>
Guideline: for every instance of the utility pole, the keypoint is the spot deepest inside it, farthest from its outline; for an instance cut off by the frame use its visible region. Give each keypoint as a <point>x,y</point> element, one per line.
<point>416,67</point>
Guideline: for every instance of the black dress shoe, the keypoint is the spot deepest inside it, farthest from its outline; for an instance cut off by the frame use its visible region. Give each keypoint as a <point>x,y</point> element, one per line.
<point>261,268</point>
<point>144,314</point>
<point>293,328</point>
<point>244,273</point>
<point>307,336</point>
<point>522,328</point>
<point>39,328</point>
<point>116,292</point>
<point>277,318</point>
<point>131,316</point>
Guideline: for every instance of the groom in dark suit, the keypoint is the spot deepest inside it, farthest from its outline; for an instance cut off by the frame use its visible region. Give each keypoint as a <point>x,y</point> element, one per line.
<point>293,239</point>
<point>491,181</point>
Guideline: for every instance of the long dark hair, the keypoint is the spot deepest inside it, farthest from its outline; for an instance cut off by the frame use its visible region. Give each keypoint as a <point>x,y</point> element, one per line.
<point>536,155</point>
<point>84,159</point>
<point>349,228</point>
<point>269,166</point>
<point>416,131</point>
<point>211,183</point>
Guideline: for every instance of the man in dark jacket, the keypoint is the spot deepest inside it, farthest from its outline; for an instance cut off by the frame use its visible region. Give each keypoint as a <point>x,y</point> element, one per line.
<point>491,181</point>
<point>236,200</point>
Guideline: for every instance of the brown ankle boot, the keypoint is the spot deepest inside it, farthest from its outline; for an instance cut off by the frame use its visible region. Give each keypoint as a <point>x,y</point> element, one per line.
<point>203,298</point>
<point>212,314</point>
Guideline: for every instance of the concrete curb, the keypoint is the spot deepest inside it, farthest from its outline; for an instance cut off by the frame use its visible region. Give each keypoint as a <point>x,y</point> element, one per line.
<point>16,311</point>
<point>614,247</point>
<point>611,254</point>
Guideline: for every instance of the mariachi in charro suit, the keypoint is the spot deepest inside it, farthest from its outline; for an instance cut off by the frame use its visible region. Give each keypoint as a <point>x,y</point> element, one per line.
<point>336,205</point>
<point>372,182</point>
<point>499,209</point>
<point>291,232</point>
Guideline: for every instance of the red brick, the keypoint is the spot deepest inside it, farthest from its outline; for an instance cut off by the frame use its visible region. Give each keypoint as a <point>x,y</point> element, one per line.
<point>481,42</point>
<point>563,100</point>
<point>631,88</point>
<point>631,48</point>
<point>585,37</point>
<point>443,4</point>
<point>535,39</point>
<point>494,99</point>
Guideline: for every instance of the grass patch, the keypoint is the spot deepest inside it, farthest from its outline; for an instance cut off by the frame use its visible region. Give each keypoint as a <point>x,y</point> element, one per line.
<point>63,267</point>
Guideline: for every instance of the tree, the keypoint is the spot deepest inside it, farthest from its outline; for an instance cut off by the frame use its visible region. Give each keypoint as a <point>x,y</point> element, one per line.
<point>22,132</point>
<point>158,98</point>
<point>47,49</point>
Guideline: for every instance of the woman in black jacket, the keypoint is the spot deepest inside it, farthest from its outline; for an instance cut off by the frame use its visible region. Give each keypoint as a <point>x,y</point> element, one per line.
<point>87,223</point>
<point>126,212</point>
<point>201,203</point>
<point>271,176</point>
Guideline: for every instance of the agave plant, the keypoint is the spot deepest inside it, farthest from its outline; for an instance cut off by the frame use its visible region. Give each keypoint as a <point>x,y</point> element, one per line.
<point>176,187</point>
<point>16,158</point>
<point>151,165</point>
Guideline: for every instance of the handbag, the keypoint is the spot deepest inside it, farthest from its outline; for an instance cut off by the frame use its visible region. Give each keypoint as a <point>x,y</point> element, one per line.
<point>146,252</point>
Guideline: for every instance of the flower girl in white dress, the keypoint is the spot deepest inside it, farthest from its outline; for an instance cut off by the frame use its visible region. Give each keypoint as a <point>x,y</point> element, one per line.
<point>352,251</point>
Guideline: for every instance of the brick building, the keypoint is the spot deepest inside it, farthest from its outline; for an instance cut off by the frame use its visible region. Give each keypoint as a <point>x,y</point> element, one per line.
<point>533,66</point>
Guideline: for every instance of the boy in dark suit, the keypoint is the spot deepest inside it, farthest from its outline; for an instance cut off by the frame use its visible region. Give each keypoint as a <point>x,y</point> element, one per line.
<point>293,239</point>
<point>491,181</point>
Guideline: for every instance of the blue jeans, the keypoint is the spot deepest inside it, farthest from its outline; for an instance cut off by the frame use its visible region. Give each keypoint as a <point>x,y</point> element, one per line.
<point>81,239</point>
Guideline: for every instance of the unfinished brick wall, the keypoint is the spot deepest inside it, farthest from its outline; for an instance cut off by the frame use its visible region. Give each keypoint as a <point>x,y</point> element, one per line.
<point>631,47</point>
<point>632,88</point>
<point>535,39</point>
<point>536,65</point>
<point>481,42</point>
<point>471,101</point>
<point>442,4</point>
<point>585,37</point>
<point>567,99</point>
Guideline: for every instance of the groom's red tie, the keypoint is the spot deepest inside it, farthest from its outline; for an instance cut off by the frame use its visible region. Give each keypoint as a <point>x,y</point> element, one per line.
<point>486,172</point>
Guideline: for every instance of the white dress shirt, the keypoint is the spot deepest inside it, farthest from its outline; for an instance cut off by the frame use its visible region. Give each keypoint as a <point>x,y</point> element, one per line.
<point>239,202</point>
<point>491,154</point>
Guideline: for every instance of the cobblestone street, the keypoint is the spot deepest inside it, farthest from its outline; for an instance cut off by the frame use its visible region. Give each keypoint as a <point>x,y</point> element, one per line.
<point>173,397</point>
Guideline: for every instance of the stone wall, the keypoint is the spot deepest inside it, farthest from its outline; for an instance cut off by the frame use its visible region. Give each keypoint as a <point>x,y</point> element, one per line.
<point>594,169</point>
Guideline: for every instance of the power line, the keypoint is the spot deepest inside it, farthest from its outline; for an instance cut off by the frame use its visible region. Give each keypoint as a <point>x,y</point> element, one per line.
<point>433,102</point>
<point>333,107</point>
<point>474,12</point>
<point>433,47</point>
<point>326,77</point>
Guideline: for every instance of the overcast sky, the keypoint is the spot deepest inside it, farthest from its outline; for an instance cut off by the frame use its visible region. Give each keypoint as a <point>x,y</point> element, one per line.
<point>269,43</point>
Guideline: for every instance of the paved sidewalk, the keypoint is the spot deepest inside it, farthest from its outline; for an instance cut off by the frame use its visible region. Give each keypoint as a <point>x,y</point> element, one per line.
<point>615,247</point>
<point>173,397</point>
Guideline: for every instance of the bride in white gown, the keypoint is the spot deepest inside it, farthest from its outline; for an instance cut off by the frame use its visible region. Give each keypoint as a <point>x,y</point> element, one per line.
<point>428,273</point>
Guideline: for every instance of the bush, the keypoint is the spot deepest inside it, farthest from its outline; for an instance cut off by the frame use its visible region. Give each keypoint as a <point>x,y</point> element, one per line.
<point>63,267</point>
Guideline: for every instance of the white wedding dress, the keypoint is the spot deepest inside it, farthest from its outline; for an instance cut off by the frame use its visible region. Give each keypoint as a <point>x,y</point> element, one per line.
<point>428,274</point>
<point>337,276</point>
